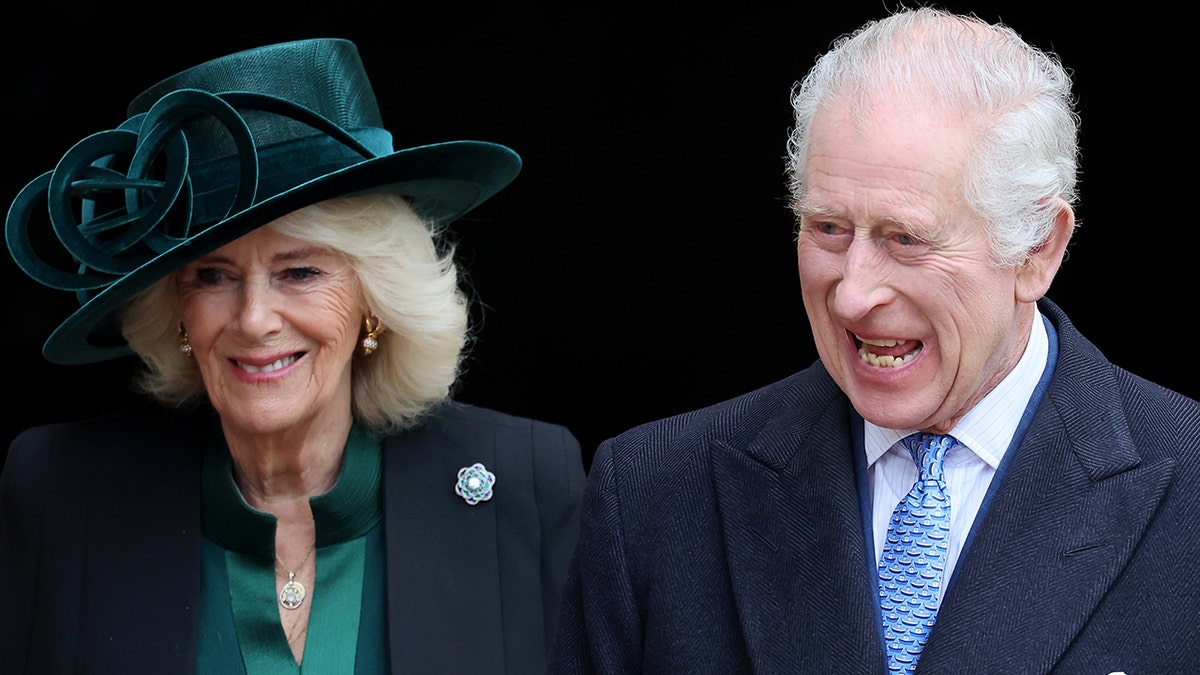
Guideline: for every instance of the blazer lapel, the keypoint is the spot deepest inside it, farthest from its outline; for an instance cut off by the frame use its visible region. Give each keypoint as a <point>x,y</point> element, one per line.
<point>1067,515</point>
<point>442,571</point>
<point>793,533</point>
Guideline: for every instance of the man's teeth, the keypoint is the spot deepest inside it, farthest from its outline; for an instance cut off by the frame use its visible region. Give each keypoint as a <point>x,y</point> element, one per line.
<point>269,367</point>
<point>885,360</point>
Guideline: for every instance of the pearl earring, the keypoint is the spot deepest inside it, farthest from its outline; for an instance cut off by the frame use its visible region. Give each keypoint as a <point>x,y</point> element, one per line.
<point>185,347</point>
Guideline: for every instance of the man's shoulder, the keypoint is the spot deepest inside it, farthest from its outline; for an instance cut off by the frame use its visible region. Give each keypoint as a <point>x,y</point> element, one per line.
<point>801,397</point>
<point>1158,416</point>
<point>1100,399</point>
<point>656,469</point>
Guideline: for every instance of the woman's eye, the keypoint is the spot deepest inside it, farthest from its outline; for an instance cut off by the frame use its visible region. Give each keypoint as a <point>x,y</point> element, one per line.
<point>208,276</point>
<point>302,273</point>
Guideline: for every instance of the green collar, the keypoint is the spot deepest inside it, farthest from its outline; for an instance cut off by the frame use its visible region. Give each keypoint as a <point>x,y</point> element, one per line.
<point>347,511</point>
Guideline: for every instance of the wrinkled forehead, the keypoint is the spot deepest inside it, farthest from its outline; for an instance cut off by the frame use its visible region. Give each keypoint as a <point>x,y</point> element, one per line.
<point>893,129</point>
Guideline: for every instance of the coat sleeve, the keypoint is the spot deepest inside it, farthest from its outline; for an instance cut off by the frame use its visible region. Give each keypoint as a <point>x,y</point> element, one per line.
<point>607,637</point>
<point>559,486</point>
<point>24,482</point>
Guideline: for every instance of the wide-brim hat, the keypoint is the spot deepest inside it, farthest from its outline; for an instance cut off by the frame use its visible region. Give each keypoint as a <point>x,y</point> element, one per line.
<point>210,154</point>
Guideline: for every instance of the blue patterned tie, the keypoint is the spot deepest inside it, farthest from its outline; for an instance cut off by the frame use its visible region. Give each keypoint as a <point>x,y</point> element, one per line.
<point>914,555</point>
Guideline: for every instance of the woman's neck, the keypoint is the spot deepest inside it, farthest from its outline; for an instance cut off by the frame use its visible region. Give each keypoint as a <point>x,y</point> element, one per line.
<point>279,472</point>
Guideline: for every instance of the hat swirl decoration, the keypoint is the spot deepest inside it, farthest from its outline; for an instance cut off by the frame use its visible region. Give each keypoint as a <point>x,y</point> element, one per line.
<point>85,174</point>
<point>210,154</point>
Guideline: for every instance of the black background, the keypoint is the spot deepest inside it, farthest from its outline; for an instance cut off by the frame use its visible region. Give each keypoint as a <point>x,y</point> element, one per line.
<point>643,263</point>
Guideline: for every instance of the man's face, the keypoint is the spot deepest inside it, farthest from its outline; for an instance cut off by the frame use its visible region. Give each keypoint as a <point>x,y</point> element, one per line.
<point>909,315</point>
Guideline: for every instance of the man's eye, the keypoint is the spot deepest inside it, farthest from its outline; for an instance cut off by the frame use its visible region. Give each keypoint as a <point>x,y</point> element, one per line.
<point>907,240</point>
<point>825,227</point>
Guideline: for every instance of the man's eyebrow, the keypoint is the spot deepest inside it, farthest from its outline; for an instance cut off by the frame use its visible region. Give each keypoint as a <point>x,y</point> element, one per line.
<point>809,209</point>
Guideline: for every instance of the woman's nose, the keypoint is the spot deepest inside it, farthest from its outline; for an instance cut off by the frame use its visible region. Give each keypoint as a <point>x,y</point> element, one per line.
<point>258,314</point>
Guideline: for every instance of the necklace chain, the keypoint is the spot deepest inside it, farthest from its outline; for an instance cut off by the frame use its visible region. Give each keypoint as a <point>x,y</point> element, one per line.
<point>292,594</point>
<point>302,561</point>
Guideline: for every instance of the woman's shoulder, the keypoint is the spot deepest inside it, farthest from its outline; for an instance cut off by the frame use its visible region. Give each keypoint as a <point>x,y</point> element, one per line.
<point>458,413</point>
<point>140,426</point>
<point>457,432</point>
<point>139,417</point>
<point>128,456</point>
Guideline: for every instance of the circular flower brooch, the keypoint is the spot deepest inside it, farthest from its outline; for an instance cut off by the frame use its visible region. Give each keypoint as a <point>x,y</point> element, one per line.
<point>475,483</point>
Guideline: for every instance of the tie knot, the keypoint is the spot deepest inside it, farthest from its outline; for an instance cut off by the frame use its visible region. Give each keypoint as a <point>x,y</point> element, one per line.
<point>929,452</point>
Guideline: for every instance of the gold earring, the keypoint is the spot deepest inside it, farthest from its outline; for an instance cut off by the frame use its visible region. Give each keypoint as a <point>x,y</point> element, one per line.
<point>374,327</point>
<point>185,347</point>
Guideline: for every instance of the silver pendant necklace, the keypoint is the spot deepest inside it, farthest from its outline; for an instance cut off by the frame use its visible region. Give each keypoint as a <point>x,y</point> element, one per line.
<point>292,594</point>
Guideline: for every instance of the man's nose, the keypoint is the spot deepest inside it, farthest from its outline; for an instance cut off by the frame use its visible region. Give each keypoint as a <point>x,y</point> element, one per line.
<point>866,280</point>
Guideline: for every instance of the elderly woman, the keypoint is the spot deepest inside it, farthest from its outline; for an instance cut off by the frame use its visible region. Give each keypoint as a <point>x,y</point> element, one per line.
<point>309,494</point>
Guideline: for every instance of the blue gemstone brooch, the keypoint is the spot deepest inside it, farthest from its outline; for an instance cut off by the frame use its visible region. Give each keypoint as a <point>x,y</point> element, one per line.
<point>475,483</point>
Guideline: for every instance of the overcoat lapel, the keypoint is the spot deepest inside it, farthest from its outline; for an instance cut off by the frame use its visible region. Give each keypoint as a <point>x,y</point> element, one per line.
<point>443,573</point>
<point>793,535</point>
<point>1063,522</point>
<point>1067,515</point>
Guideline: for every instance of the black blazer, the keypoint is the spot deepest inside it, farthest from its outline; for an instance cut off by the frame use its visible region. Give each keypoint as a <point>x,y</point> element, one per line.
<point>731,540</point>
<point>100,544</point>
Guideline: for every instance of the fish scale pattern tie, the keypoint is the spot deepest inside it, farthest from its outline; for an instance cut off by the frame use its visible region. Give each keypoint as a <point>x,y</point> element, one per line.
<point>914,555</point>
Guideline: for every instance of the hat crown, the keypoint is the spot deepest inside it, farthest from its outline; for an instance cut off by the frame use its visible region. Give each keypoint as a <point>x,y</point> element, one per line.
<point>325,76</point>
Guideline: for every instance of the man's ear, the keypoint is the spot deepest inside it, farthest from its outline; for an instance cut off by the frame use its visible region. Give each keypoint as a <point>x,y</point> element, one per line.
<point>1036,273</point>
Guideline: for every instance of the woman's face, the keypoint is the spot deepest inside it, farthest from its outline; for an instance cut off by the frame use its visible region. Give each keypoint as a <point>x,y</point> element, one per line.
<point>273,323</point>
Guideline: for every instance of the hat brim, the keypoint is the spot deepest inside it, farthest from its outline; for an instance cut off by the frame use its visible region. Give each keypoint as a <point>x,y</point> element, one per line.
<point>444,181</point>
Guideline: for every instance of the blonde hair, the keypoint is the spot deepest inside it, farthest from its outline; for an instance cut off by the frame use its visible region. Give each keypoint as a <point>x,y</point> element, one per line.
<point>408,279</point>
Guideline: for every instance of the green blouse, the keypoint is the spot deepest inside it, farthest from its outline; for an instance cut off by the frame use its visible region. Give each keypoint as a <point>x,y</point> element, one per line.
<point>239,628</point>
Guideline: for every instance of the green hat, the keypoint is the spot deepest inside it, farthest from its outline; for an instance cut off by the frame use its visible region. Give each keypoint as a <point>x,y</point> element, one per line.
<point>215,152</point>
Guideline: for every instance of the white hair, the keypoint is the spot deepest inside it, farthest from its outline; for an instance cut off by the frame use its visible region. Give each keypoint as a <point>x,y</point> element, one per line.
<point>1025,152</point>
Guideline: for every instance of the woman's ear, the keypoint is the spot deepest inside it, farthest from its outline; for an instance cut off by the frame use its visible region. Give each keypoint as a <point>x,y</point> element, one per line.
<point>1037,272</point>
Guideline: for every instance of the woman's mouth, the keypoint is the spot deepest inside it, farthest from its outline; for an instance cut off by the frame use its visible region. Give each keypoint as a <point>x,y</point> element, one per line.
<point>887,352</point>
<point>270,367</point>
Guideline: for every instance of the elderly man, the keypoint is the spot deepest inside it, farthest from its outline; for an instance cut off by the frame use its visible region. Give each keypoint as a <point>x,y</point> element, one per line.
<point>962,482</point>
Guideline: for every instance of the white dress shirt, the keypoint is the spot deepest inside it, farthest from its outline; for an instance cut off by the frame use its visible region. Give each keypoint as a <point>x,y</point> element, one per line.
<point>983,434</point>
